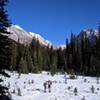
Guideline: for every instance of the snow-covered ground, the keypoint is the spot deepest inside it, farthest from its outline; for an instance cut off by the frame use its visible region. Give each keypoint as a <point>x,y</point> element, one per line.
<point>31,87</point>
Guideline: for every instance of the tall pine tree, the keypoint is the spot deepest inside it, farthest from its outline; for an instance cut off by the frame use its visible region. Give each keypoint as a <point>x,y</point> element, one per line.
<point>5,55</point>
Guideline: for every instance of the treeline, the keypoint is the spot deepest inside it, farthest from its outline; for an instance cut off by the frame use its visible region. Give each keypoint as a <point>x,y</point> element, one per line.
<point>81,56</point>
<point>83,53</point>
<point>33,57</point>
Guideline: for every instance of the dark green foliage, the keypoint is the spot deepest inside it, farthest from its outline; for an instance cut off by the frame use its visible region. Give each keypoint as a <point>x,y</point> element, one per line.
<point>23,66</point>
<point>5,50</point>
<point>39,56</point>
<point>72,74</point>
<point>35,55</point>
<point>79,57</point>
<point>82,55</point>
<point>53,61</point>
<point>72,77</point>
<point>14,56</point>
<point>61,61</point>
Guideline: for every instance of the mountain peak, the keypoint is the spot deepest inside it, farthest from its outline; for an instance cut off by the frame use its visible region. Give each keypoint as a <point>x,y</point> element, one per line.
<point>41,39</point>
<point>17,27</point>
<point>22,36</point>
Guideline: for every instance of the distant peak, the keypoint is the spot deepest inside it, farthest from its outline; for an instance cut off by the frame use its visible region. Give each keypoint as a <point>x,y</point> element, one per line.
<point>41,39</point>
<point>22,36</point>
<point>17,26</point>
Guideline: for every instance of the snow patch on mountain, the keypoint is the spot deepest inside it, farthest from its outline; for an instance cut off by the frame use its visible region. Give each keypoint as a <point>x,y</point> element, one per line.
<point>19,34</point>
<point>62,46</point>
<point>41,39</point>
<point>24,37</point>
<point>90,32</point>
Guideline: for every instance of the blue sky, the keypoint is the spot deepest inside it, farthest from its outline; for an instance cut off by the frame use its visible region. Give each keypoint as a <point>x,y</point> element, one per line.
<point>55,19</point>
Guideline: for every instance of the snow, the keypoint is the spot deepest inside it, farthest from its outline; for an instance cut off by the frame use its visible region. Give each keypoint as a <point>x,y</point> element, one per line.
<point>19,34</point>
<point>59,90</point>
<point>90,32</point>
<point>62,46</point>
<point>22,36</point>
<point>18,27</point>
<point>41,39</point>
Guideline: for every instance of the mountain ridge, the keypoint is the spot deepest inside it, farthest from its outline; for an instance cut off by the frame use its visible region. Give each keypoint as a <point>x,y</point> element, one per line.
<point>22,36</point>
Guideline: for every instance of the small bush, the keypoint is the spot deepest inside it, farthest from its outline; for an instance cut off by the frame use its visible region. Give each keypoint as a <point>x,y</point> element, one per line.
<point>75,91</point>
<point>13,91</point>
<point>65,80</point>
<point>72,77</point>
<point>19,92</point>
<point>97,80</point>
<point>98,89</point>
<point>8,85</point>
<point>69,87</point>
<point>24,82</point>
<point>32,81</point>
<point>85,80</point>
<point>19,75</point>
<point>92,89</point>
<point>15,83</point>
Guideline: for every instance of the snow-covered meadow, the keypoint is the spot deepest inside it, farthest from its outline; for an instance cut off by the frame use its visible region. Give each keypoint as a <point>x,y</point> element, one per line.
<point>30,87</point>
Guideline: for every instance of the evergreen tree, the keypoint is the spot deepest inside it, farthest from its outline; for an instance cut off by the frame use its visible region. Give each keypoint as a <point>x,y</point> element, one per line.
<point>46,58</point>
<point>53,61</point>
<point>23,66</point>
<point>20,54</point>
<point>14,56</point>
<point>34,55</point>
<point>60,59</point>
<point>66,56</point>
<point>39,56</point>
<point>5,54</point>
<point>29,59</point>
